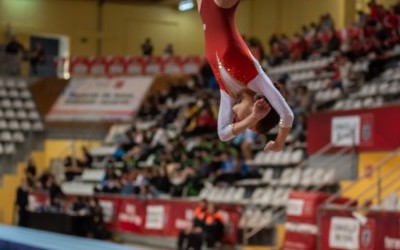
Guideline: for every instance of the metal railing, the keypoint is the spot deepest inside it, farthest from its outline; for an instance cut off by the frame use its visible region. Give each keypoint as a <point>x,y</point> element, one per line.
<point>374,169</point>
<point>391,176</point>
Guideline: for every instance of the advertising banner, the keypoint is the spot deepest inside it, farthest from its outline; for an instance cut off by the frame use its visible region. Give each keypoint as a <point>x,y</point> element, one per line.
<point>100,99</point>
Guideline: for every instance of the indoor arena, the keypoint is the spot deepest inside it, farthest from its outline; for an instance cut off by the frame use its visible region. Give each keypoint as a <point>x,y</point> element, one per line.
<point>199,124</point>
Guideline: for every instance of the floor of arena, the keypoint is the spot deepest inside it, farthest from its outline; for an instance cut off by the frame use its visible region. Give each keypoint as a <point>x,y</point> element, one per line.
<point>29,239</point>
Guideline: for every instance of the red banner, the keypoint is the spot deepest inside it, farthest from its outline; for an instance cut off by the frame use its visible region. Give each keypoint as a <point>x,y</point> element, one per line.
<point>156,217</point>
<point>366,129</point>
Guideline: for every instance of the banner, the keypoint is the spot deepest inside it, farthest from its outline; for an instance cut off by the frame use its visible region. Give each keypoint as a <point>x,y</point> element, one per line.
<point>345,131</point>
<point>100,99</point>
<point>156,217</point>
<point>366,129</point>
<point>344,233</point>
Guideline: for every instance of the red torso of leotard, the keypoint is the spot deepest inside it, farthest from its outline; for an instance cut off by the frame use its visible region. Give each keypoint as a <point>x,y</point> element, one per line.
<point>222,39</point>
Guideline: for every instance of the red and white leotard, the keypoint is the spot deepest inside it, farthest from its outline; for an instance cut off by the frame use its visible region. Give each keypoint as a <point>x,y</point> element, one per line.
<point>234,67</point>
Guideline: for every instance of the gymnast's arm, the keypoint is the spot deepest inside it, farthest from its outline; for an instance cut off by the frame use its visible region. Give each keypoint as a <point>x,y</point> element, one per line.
<point>227,130</point>
<point>262,84</point>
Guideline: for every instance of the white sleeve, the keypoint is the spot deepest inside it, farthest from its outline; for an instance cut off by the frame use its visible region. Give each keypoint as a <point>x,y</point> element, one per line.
<point>263,85</point>
<point>225,117</point>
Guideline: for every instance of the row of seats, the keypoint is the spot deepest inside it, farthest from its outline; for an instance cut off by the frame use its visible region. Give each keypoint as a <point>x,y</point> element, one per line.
<point>7,136</point>
<point>13,94</point>
<point>132,65</point>
<point>256,218</point>
<point>368,102</point>
<point>283,158</point>
<point>13,83</point>
<point>10,114</point>
<point>7,149</point>
<point>228,195</point>
<point>78,188</point>
<point>300,66</point>
<point>17,104</point>
<point>328,95</point>
<point>377,88</point>
<point>274,197</point>
<point>294,177</point>
<point>317,84</point>
<point>25,125</point>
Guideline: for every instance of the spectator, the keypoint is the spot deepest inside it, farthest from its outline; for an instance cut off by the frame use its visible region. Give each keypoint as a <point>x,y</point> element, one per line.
<point>147,48</point>
<point>97,228</point>
<point>30,173</point>
<point>55,192</point>
<point>37,56</point>
<point>22,203</point>
<point>14,47</point>
<point>169,50</point>
<point>213,226</point>
<point>191,236</point>
<point>71,168</point>
<point>161,181</point>
<point>87,159</point>
<point>110,182</point>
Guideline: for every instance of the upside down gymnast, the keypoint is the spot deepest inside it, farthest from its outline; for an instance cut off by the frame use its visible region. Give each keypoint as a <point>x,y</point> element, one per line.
<point>249,99</point>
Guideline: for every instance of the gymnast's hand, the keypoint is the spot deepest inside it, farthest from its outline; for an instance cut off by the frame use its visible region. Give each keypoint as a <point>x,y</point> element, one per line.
<point>273,146</point>
<point>260,109</point>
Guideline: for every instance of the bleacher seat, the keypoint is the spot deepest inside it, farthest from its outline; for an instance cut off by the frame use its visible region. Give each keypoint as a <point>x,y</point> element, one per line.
<point>18,137</point>
<point>297,156</point>
<point>267,176</point>
<point>6,136</point>
<point>14,125</point>
<point>9,148</point>
<point>306,179</point>
<point>295,177</point>
<point>77,188</point>
<point>93,175</point>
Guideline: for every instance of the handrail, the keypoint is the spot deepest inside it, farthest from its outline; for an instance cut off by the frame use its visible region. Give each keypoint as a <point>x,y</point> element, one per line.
<point>372,185</point>
<point>388,184</point>
<point>375,168</point>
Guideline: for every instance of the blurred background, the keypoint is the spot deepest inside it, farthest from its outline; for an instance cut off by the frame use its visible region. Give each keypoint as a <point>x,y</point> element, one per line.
<point>108,117</point>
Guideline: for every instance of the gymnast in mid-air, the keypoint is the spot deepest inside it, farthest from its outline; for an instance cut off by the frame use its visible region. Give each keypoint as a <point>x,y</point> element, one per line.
<point>249,99</point>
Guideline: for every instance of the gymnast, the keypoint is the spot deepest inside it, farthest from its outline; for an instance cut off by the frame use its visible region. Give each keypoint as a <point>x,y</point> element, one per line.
<point>249,99</point>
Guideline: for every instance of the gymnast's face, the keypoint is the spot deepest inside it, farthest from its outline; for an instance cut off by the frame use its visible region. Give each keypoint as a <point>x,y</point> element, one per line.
<point>243,104</point>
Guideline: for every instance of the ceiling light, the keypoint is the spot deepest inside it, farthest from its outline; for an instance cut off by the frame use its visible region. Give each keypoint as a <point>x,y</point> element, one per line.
<point>185,5</point>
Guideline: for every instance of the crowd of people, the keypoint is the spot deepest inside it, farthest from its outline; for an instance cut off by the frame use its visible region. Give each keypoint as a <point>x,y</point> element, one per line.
<point>59,203</point>
<point>374,32</point>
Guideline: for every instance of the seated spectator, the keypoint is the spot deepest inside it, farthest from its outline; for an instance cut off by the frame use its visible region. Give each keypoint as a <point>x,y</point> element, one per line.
<point>80,206</point>
<point>56,195</point>
<point>86,161</point>
<point>97,228</point>
<point>127,183</point>
<point>213,227</point>
<point>110,182</point>
<point>72,169</point>
<point>160,181</point>
<point>191,236</point>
